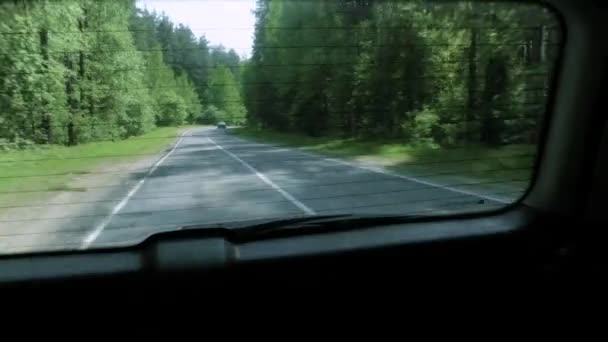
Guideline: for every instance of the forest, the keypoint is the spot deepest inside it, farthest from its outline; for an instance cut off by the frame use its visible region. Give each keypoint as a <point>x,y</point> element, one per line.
<point>441,73</point>
<point>73,72</point>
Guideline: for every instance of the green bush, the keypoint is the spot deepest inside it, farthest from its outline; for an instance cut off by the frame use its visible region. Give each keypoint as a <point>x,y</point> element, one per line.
<point>210,116</point>
<point>16,144</point>
<point>172,112</point>
<point>426,129</point>
<point>458,133</point>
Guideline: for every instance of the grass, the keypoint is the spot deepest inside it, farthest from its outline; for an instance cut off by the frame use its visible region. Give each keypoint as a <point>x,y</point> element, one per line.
<point>479,163</point>
<point>66,188</point>
<point>19,170</point>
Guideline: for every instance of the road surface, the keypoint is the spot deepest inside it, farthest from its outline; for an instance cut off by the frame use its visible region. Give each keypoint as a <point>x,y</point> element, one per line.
<point>210,176</point>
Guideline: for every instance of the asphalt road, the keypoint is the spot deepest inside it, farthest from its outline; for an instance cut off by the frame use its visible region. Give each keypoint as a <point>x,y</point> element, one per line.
<point>214,177</point>
<point>211,176</point>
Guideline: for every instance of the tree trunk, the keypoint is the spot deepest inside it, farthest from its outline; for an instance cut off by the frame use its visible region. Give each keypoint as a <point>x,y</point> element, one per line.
<point>46,116</point>
<point>71,100</point>
<point>491,129</point>
<point>471,108</point>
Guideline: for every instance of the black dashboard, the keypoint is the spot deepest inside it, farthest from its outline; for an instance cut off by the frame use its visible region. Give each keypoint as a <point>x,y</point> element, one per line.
<point>505,247</point>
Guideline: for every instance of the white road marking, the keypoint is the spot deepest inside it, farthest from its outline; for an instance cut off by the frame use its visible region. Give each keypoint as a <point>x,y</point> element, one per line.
<point>416,180</point>
<point>265,179</point>
<point>388,173</point>
<point>89,239</point>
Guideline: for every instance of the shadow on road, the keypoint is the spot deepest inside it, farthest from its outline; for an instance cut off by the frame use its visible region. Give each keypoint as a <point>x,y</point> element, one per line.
<point>200,183</point>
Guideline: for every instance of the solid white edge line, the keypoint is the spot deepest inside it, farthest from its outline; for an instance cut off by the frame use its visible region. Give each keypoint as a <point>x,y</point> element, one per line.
<point>91,237</point>
<point>387,173</point>
<point>419,181</point>
<point>265,179</point>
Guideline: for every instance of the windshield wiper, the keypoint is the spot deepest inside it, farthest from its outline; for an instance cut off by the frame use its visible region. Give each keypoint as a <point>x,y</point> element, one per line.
<point>302,225</point>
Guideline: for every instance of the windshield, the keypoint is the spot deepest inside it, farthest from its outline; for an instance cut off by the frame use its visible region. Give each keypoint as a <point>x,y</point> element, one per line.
<point>121,119</point>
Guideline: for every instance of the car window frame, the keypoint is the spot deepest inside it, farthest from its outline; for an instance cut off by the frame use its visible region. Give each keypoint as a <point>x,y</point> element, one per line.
<point>582,23</point>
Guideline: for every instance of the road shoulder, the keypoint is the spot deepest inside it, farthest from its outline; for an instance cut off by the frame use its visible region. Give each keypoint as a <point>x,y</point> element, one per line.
<point>60,220</point>
<point>502,190</point>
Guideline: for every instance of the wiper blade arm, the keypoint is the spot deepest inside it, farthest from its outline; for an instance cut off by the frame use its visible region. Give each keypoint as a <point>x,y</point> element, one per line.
<point>300,225</point>
<point>267,224</point>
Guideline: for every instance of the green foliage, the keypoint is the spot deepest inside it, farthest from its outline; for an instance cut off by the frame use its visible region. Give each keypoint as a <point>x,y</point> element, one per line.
<point>426,129</point>
<point>81,71</point>
<point>210,116</point>
<point>16,144</point>
<point>428,73</point>
<point>432,73</point>
<point>224,93</point>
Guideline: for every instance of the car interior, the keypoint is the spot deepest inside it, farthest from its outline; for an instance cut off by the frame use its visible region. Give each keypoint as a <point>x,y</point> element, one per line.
<point>554,234</point>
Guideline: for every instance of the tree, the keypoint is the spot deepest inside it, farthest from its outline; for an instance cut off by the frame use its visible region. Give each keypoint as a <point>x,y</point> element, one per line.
<point>75,72</point>
<point>225,95</point>
<point>113,102</point>
<point>436,72</point>
<point>32,101</point>
<point>176,57</point>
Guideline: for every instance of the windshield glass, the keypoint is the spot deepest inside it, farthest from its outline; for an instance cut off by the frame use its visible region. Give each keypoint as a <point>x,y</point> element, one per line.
<point>121,119</point>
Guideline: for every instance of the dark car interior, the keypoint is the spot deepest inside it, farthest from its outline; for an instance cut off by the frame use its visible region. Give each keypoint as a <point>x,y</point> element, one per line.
<point>555,234</point>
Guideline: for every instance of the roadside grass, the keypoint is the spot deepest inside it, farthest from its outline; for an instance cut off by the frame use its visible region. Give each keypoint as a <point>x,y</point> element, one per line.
<point>507,164</point>
<point>28,173</point>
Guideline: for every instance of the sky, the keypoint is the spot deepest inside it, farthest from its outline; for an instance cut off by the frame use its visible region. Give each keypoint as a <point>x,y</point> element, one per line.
<point>230,23</point>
